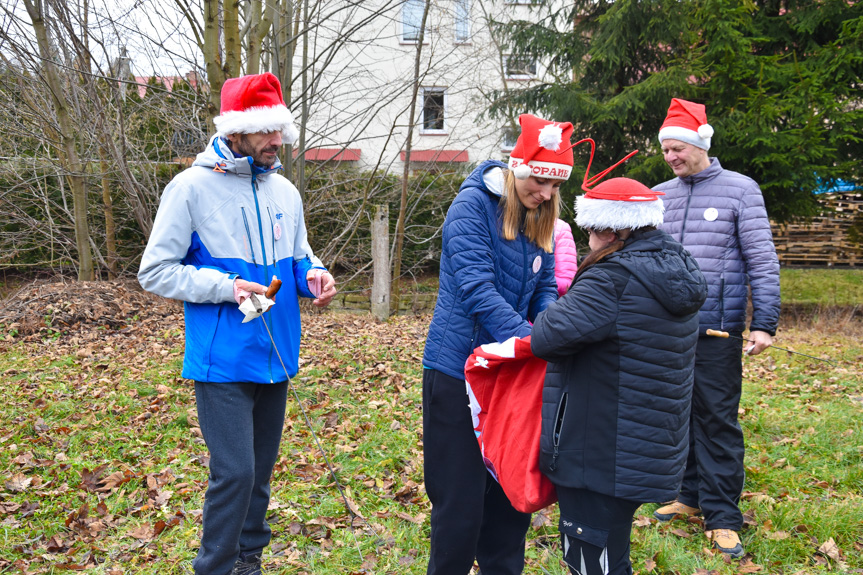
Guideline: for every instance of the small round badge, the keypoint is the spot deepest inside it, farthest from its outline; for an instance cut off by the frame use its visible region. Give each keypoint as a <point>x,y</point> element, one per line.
<point>710,214</point>
<point>537,263</point>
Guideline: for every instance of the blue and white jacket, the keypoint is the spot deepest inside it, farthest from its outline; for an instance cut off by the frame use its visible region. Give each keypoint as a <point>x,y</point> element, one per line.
<point>221,219</point>
<point>489,286</point>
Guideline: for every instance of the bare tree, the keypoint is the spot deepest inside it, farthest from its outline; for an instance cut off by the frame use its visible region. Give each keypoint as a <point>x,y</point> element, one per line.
<point>68,150</point>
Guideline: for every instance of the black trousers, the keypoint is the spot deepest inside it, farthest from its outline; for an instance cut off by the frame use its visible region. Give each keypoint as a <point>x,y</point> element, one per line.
<point>714,475</point>
<point>471,517</point>
<point>594,532</point>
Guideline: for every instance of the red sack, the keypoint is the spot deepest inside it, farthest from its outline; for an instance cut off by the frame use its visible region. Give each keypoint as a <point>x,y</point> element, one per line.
<point>504,385</point>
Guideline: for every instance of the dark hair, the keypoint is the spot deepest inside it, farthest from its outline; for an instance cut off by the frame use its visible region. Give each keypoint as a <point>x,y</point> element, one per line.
<point>597,256</point>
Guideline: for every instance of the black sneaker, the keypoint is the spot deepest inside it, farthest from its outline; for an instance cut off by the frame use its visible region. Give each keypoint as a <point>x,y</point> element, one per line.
<point>248,565</point>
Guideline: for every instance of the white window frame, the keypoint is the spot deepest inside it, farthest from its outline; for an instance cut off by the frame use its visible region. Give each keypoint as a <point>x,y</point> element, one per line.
<point>509,136</point>
<point>420,4</point>
<point>461,16</point>
<point>428,92</point>
<point>530,75</point>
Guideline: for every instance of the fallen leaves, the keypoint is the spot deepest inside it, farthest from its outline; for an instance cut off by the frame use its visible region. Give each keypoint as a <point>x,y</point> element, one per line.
<point>106,461</point>
<point>18,483</point>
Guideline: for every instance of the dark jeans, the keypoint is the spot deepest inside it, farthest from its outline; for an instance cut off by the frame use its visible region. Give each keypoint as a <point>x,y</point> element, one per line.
<point>471,517</point>
<point>713,480</point>
<point>594,532</point>
<point>242,426</point>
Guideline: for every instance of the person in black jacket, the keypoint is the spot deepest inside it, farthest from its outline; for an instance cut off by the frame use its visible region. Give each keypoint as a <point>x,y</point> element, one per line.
<point>621,349</point>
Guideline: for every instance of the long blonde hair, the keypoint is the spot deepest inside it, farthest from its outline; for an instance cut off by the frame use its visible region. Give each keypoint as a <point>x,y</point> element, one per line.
<point>538,223</point>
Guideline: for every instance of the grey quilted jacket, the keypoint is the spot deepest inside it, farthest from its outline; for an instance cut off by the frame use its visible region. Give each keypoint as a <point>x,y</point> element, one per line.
<point>719,216</point>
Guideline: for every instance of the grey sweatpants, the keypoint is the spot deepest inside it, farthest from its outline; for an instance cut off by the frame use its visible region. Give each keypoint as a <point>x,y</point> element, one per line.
<point>242,427</point>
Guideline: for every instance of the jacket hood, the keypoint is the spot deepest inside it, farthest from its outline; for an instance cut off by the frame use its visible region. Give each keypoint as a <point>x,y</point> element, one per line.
<point>673,277</point>
<point>217,154</point>
<point>476,180</point>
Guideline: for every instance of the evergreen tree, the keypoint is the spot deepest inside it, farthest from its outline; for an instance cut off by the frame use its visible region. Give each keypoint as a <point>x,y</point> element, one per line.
<point>781,80</point>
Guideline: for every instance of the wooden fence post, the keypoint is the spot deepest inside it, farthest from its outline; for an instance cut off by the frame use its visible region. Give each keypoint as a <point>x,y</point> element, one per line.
<point>381,263</point>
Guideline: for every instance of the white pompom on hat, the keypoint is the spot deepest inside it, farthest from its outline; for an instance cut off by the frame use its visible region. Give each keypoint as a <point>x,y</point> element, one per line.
<point>543,149</point>
<point>687,121</point>
<point>254,104</point>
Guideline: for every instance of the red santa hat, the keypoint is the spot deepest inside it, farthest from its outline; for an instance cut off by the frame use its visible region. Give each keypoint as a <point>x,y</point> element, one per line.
<point>687,121</point>
<point>253,104</point>
<point>543,149</point>
<point>618,203</point>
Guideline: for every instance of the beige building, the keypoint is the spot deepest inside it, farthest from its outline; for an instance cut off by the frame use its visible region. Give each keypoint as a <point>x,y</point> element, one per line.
<point>364,61</point>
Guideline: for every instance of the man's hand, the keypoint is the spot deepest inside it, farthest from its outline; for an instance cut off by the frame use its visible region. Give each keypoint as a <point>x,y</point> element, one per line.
<point>322,285</point>
<point>759,341</point>
<point>243,289</point>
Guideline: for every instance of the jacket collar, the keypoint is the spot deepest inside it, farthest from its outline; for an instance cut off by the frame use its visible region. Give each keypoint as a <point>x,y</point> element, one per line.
<point>219,157</point>
<point>709,172</point>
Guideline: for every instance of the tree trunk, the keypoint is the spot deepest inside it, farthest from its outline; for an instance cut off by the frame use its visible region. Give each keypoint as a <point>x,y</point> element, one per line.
<point>213,59</point>
<point>400,225</point>
<point>262,20</point>
<point>233,48</point>
<point>68,151</point>
<point>285,45</point>
<point>253,53</point>
<point>110,228</point>
<point>304,107</point>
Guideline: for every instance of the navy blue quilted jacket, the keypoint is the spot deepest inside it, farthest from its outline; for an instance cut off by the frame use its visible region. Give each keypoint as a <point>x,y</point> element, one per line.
<point>621,351</point>
<point>489,286</point>
<point>719,216</point>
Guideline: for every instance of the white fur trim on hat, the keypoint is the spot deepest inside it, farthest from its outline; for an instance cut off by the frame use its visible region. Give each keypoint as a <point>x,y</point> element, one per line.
<point>687,135</point>
<point>258,119</point>
<point>596,214</point>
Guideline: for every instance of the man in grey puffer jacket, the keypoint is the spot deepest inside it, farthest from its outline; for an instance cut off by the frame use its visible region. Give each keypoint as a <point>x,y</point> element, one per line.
<point>719,216</point>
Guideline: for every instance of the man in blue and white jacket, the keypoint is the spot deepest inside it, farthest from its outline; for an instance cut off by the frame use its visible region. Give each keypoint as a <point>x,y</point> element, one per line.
<point>225,227</point>
<point>720,217</point>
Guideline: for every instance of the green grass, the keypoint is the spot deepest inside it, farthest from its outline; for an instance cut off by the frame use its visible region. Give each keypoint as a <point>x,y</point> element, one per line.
<point>822,287</point>
<point>126,415</point>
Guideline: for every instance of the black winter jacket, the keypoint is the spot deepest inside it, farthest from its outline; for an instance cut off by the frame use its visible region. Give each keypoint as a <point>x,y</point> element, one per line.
<point>621,350</point>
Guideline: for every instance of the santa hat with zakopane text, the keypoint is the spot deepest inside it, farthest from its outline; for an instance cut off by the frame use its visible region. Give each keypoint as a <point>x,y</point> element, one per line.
<point>254,104</point>
<point>543,149</point>
<point>687,121</point>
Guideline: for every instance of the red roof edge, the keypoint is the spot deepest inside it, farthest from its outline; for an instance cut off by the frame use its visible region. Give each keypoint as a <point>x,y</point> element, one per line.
<point>335,154</point>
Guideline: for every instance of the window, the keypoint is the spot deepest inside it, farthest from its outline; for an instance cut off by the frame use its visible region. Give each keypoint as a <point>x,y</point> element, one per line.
<point>434,110</point>
<point>462,21</point>
<point>510,135</point>
<point>412,19</point>
<point>520,68</point>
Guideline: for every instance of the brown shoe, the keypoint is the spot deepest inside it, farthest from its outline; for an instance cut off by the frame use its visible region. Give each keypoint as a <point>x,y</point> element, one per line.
<point>668,512</point>
<point>727,541</point>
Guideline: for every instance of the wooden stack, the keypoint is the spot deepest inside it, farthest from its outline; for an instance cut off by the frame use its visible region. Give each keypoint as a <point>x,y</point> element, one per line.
<point>824,241</point>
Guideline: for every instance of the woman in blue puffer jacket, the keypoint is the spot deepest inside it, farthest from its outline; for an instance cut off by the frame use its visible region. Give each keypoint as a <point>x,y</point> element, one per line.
<point>496,275</point>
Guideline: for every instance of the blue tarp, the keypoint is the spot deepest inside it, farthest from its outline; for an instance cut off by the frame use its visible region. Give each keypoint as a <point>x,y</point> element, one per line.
<point>838,186</point>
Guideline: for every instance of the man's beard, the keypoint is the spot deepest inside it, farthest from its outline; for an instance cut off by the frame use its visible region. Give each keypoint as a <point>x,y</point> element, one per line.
<point>246,149</point>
